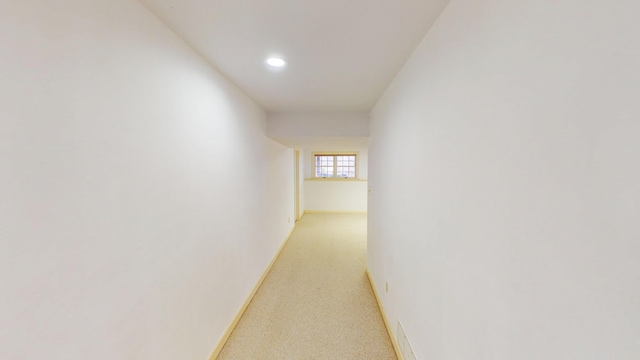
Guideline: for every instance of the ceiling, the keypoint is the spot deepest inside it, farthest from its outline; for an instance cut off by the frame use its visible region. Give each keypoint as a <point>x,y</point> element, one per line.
<point>341,54</point>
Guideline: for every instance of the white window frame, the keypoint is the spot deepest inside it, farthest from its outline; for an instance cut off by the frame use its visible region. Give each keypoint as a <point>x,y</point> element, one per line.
<point>335,164</point>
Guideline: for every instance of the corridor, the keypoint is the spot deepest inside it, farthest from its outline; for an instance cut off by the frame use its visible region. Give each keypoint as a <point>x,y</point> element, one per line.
<point>316,303</point>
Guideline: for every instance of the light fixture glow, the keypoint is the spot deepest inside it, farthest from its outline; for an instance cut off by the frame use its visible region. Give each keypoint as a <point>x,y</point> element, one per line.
<point>276,62</point>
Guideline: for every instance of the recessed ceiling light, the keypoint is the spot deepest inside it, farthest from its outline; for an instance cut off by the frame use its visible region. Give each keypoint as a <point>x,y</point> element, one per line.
<point>276,62</point>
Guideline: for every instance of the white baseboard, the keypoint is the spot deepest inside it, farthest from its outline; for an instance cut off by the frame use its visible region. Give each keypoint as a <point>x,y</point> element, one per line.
<point>234,322</point>
<point>394,342</point>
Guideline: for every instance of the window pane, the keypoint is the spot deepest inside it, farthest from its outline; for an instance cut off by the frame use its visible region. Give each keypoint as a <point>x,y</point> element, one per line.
<point>345,166</point>
<point>324,166</point>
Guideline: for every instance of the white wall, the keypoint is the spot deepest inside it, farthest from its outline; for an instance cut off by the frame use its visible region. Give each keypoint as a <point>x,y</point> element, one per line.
<point>318,124</point>
<point>505,177</point>
<point>300,179</point>
<point>330,132</point>
<point>140,200</point>
<point>336,195</point>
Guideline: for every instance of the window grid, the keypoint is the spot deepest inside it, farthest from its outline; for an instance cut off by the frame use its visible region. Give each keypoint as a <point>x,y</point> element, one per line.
<point>335,166</point>
<point>324,166</point>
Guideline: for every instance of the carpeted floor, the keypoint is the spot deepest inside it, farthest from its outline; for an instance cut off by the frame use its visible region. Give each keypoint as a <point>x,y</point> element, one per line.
<point>316,303</point>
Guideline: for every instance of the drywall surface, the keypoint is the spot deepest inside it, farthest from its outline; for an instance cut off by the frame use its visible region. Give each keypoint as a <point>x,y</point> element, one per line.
<point>302,161</point>
<point>505,183</point>
<point>320,130</point>
<point>140,198</point>
<point>336,195</point>
<point>327,195</point>
<point>318,124</point>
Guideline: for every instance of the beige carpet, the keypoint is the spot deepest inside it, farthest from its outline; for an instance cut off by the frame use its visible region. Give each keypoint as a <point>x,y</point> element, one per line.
<point>316,303</point>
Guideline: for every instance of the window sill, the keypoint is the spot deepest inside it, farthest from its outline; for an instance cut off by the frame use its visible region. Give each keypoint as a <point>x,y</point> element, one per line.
<point>334,179</point>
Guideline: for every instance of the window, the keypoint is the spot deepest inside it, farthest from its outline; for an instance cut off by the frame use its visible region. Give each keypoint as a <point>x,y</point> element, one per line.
<point>340,166</point>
